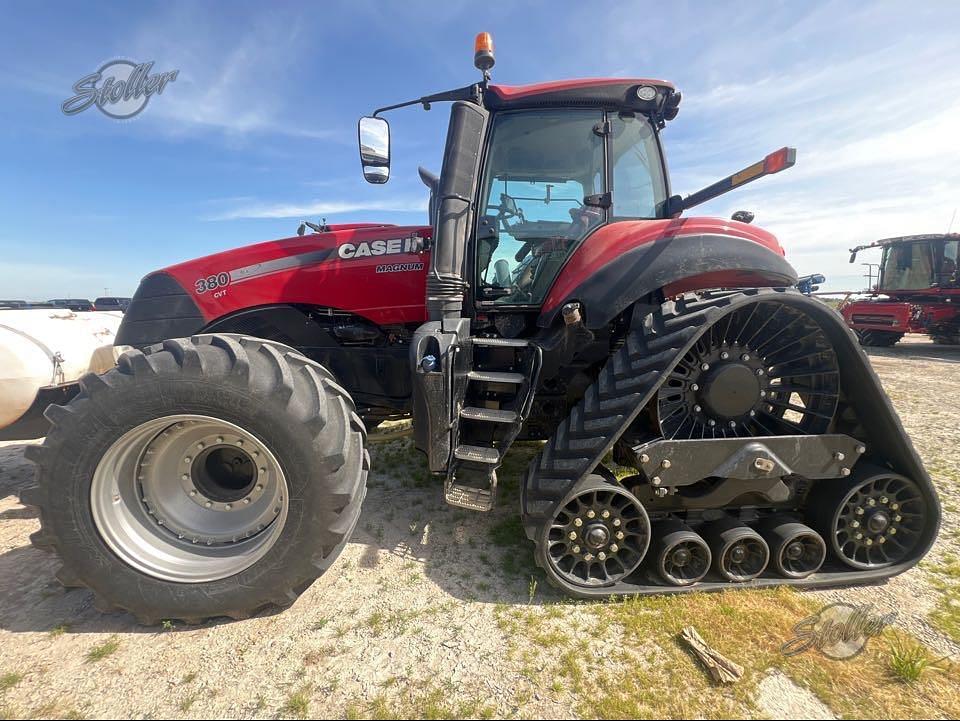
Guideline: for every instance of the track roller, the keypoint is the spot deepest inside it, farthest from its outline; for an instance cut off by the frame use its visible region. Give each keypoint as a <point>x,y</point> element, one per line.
<point>739,553</point>
<point>598,536</point>
<point>796,550</point>
<point>679,555</point>
<point>873,519</point>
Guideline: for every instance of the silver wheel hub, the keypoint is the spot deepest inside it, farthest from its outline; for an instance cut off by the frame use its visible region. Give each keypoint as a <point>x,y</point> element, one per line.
<point>189,498</point>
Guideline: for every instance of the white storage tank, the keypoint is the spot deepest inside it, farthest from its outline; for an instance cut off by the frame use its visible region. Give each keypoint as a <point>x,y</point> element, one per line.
<point>43,352</point>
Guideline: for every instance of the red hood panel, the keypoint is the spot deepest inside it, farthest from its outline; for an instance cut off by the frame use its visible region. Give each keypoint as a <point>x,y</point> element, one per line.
<point>371,270</point>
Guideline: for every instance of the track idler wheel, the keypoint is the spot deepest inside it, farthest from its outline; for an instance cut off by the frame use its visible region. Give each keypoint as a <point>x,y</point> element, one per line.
<point>598,535</point>
<point>872,519</point>
<point>679,555</point>
<point>739,553</point>
<point>796,550</point>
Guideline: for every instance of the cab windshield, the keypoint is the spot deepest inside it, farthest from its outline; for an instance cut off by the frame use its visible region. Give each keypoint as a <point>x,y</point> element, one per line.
<point>544,189</point>
<point>920,265</point>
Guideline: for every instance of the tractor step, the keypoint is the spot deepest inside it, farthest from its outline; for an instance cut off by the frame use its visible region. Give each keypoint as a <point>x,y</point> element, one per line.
<point>496,377</point>
<point>470,497</point>
<point>501,342</point>
<point>492,415</point>
<point>477,454</point>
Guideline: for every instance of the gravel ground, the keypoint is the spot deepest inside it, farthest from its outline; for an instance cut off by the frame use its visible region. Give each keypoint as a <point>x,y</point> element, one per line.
<point>410,619</point>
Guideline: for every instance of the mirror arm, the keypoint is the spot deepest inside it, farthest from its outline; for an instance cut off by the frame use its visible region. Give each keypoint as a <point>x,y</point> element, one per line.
<point>473,93</point>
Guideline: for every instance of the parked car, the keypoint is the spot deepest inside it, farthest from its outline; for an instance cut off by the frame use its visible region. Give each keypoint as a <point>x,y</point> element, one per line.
<point>5,304</point>
<point>111,304</point>
<point>74,304</point>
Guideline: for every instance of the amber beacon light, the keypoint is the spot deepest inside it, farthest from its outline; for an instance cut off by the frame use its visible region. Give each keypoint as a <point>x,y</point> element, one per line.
<point>483,52</point>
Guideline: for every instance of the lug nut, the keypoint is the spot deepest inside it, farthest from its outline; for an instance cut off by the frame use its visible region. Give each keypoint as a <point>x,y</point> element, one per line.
<point>893,531</point>
<point>644,458</point>
<point>575,549</point>
<point>259,487</point>
<point>193,491</point>
<point>839,456</point>
<point>884,500</point>
<point>240,442</point>
<point>228,506</point>
<point>898,518</point>
<point>588,557</point>
<point>732,424</point>
<point>705,367</point>
<point>759,371</point>
<point>573,535</point>
<point>846,472</point>
<point>219,439</point>
<point>724,355</point>
<point>854,524</point>
<point>616,521</point>
<point>871,502</point>
<point>208,504</point>
<point>577,522</point>
<point>605,514</point>
<point>601,555</point>
<point>665,463</point>
<point>656,480</point>
<point>763,394</point>
<point>894,506</point>
<point>711,422</point>
<point>752,413</point>
<point>881,540</point>
<point>246,501</point>
<point>697,409</point>
<point>187,459</point>
<point>184,477</point>
<point>201,444</point>
<point>869,542</point>
<point>861,449</point>
<point>591,513</point>
<point>859,511</point>
<point>858,536</point>
<point>619,535</point>
<point>695,387</point>
<point>614,548</point>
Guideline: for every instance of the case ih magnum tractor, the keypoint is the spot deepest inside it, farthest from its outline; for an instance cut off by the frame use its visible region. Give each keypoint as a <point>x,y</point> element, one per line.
<point>559,293</point>
<point>918,291</point>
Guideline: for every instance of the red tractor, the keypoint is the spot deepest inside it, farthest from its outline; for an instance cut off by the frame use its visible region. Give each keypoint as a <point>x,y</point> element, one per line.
<point>558,293</point>
<point>918,291</point>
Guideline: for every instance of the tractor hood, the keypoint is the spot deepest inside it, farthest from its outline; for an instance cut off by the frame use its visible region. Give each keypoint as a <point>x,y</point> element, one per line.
<point>372,270</point>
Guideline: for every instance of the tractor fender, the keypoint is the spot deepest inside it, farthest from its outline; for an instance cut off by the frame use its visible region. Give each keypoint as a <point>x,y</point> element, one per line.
<point>615,267</point>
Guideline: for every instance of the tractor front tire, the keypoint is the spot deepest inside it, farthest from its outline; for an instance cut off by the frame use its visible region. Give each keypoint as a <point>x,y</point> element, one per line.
<point>204,477</point>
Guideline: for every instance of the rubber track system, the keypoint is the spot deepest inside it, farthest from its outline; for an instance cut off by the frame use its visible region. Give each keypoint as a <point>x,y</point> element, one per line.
<point>631,378</point>
<point>294,385</point>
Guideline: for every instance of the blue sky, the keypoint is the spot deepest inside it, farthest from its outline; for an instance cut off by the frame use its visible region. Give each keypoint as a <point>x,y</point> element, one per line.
<point>259,128</point>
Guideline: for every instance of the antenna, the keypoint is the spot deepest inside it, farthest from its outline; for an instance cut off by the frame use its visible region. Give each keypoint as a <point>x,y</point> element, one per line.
<point>952,217</point>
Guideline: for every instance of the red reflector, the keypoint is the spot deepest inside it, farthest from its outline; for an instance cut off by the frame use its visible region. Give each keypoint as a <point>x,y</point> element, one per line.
<point>779,160</point>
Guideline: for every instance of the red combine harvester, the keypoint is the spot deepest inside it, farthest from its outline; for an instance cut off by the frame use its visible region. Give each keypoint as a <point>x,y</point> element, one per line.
<point>918,291</point>
<point>560,293</point>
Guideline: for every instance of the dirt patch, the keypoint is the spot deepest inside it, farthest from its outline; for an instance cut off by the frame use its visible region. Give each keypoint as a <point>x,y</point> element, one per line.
<point>780,698</point>
<point>433,612</point>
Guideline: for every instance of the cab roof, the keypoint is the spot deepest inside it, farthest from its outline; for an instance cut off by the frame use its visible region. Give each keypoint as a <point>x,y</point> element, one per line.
<point>611,93</point>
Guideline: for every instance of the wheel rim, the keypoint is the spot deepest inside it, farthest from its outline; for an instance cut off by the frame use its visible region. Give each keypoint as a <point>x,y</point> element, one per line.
<point>685,562</point>
<point>802,555</point>
<point>598,537</point>
<point>879,522</point>
<point>767,369</point>
<point>189,498</point>
<point>744,558</point>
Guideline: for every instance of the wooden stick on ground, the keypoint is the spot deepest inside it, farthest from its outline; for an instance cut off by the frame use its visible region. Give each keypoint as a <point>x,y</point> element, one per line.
<point>722,669</point>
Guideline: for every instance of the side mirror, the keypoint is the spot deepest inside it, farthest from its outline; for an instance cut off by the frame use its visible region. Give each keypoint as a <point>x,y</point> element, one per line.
<point>374,136</point>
